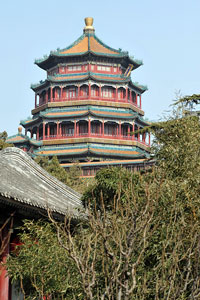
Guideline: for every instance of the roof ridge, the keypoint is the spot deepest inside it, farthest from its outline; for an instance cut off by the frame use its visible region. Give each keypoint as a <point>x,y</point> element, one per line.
<point>106,46</point>
<point>77,41</point>
<point>24,161</point>
<point>16,135</point>
<point>89,42</point>
<point>140,86</point>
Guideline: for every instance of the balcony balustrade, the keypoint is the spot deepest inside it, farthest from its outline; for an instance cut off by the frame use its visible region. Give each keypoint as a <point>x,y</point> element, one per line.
<point>80,98</point>
<point>95,135</point>
<point>72,98</point>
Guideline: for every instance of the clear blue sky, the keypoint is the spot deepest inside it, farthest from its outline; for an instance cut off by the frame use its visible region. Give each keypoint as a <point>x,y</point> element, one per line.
<point>165,34</point>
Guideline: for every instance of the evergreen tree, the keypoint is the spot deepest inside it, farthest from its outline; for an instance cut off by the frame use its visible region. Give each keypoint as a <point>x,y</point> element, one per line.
<point>3,144</point>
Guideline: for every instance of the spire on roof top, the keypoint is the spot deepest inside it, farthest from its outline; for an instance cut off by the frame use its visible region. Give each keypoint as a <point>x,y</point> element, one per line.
<point>88,28</point>
<point>20,130</point>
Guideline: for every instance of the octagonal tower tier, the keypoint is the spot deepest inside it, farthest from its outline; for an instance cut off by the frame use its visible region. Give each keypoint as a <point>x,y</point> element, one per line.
<point>88,107</point>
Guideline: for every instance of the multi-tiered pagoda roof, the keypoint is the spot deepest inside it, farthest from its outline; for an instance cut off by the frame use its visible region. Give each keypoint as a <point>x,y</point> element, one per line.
<point>88,108</point>
<point>87,44</point>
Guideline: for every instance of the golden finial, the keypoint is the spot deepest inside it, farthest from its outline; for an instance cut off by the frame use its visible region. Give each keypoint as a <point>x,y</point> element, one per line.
<point>20,130</point>
<point>88,23</point>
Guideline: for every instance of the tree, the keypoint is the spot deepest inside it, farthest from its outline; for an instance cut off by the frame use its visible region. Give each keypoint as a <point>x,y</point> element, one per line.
<point>43,161</point>
<point>176,147</point>
<point>139,238</point>
<point>3,144</point>
<point>74,180</point>
<point>41,267</point>
<point>147,242</point>
<point>111,247</point>
<point>107,185</point>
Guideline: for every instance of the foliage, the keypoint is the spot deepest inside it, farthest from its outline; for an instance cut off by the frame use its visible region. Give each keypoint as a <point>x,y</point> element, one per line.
<point>70,178</point>
<point>106,185</point>
<point>188,100</point>
<point>3,135</point>
<point>109,183</point>
<point>3,144</point>
<point>109,251</point>
<point>41,266</point>
<point>141,234</point>
<point>145,233</point>
<point>43,161</point>
<point>74,181</point>
<point>176,148</point>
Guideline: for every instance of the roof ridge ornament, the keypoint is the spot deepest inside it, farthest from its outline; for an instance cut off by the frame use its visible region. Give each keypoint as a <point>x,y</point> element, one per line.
<point>89,25</point>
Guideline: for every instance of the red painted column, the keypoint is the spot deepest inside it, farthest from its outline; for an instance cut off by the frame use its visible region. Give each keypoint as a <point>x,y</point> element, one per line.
<point>116,94</point>
<point>48,131</point>
<point>78,92</point>
<point>100,91</point>
<point>57,133</point>
<point>120,129</point>
<point>51,98</point>
<point>136,99</point>
<point>103,128</point>
<point>131,98</point>
<point>46,96</point>
<point>140,101</point>
<point>126,95</point>
<point>89,127</point>
<point>4,280</point>
<point>37,134</point>
<point>74,128</point>
<point>149,138</point>
<point>77,129</point>
<point>128,130</point>
<point>60,129</point>
<point>44,130</point>
<point>133,136</point>
<point>89,91</point>
<point>61,92</point>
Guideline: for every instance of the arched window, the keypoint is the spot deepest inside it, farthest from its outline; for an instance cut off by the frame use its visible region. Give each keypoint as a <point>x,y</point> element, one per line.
<point>56,93</point>
<point>94,91</point>
<point>95,127</point>
<point>67,128</point>
<point>71,92</point>
<point>108,92</point>
<point>83,127</point>
<point>121,93</point>
<point>110,128</point>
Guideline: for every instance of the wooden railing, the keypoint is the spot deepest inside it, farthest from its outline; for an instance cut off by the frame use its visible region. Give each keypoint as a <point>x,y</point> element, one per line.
<point>95,135</point>
<point>81,98</point>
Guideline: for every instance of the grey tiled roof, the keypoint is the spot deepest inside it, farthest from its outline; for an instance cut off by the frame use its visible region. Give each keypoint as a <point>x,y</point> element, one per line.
<point>24,182</point>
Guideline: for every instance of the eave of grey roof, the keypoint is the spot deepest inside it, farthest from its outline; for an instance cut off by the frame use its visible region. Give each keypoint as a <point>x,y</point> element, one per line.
<point>24,181</point>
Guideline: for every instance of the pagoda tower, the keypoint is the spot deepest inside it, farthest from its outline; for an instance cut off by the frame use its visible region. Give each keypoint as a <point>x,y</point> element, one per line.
<point>88,108</point>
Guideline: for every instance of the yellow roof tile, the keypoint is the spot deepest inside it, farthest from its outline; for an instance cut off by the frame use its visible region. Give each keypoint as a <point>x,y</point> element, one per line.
<point>95,46</point>
<point>82,46</point>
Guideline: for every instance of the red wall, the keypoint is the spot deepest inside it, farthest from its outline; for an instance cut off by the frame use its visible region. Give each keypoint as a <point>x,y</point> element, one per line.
<point>4,280</point>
